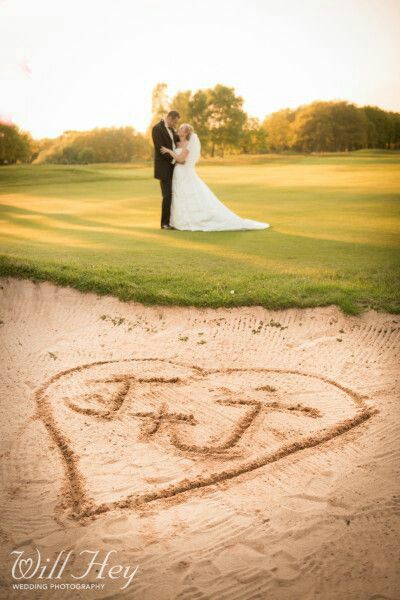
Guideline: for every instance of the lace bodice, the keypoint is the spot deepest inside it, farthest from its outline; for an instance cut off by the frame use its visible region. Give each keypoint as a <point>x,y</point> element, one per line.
<point>194,149</point>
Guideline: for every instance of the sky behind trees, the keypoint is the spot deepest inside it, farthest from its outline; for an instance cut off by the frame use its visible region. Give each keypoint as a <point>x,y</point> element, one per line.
<point>87,63</point>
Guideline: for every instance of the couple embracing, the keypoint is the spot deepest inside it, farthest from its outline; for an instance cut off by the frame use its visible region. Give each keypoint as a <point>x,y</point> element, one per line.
<point>187,202</point>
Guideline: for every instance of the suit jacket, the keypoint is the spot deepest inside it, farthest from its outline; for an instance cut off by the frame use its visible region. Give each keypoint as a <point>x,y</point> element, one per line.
<point>163,166</point>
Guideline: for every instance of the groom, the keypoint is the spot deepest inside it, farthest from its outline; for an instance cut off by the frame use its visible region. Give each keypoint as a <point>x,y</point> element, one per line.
<point>164,135</point>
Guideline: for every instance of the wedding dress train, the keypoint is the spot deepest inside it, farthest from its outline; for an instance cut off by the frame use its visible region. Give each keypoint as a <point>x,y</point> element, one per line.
<point>194,206</point>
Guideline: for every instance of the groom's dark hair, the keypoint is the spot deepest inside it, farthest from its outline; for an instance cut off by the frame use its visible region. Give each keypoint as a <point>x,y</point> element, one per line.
<point>174,114</point>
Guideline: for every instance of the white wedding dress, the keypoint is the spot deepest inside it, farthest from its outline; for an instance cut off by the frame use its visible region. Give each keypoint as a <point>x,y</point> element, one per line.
<point>194,207</point>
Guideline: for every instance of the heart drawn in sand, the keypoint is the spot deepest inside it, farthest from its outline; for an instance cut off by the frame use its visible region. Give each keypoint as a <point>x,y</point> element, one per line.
<point>137,430</point>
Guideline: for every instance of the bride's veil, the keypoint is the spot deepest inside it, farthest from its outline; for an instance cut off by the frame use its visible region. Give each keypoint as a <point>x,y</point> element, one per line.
<point>194,148</point>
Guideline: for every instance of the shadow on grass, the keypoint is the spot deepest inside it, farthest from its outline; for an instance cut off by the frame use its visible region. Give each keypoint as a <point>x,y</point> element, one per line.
<point>269,268</point>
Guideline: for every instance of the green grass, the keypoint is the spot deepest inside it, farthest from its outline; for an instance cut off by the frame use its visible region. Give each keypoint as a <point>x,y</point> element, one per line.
<point>333,240</point>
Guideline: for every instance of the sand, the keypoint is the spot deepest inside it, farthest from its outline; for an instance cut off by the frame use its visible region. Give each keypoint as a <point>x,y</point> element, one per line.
<point>229,454</point>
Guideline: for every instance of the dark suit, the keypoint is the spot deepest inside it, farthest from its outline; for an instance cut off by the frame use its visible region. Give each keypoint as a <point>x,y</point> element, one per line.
<point>163,167</point>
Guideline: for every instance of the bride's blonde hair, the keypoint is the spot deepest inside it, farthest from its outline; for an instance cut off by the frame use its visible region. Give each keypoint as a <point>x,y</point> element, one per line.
<point>189,130</point>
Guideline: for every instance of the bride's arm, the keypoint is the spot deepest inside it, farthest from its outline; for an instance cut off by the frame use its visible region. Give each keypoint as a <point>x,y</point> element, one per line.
<point>180,158</point>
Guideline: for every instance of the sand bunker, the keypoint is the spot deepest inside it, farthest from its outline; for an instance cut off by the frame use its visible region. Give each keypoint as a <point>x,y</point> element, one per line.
<point>238,453</point>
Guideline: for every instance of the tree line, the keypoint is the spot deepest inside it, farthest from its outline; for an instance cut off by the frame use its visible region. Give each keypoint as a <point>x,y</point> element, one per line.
<point>332,127</point>
<point>218,117</point>
<point>100,145</point>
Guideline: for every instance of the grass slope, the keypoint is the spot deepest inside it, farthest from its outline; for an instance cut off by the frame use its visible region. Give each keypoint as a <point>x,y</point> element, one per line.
<point>333,240</point>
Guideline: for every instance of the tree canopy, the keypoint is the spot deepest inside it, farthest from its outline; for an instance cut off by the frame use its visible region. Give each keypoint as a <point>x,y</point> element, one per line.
<point>336,126</point>
<point>218,116</point>
<point>107,144</point>
<point>15,145</point>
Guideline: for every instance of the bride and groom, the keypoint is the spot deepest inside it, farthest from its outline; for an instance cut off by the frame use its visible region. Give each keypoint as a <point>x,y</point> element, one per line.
<point>187,202</point>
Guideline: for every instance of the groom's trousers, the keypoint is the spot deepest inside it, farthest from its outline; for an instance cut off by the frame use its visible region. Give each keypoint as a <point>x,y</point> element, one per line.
<point>166,190</point>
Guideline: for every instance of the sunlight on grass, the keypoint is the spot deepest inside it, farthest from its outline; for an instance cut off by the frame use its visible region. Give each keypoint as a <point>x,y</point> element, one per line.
<point>383,177</point>
<point>333,238</point>
<point>54,236</point>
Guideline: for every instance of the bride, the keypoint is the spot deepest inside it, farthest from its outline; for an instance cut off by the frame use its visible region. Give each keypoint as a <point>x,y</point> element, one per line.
<point>194,206</point>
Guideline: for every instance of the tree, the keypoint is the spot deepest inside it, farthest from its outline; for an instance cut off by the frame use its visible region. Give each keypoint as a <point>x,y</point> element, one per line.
<point>112,144</point>
<point>349,127</point>
<point>15,145</point>
<point>182,103</point>
<point>159,102</point>
<point>394,130</point>
<point>254,138</point>
<point>329,127</point>
<point>313,128</point>
<point>198,117</point>
<point>159,106</point>
<point>278,127</point>
<point>216,115</point>
<point>86,156</point>
<point>378,127</point>
<point>226,118</point>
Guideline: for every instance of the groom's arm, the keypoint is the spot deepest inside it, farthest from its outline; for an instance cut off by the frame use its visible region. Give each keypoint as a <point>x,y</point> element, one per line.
<point>158,142</point>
